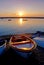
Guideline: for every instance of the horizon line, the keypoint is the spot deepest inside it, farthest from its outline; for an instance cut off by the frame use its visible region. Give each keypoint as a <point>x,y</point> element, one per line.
<point>21,17</point>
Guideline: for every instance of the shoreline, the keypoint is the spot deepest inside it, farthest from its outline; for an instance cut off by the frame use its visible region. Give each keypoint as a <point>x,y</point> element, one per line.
<point>8,36</point>
<point>32,35</point>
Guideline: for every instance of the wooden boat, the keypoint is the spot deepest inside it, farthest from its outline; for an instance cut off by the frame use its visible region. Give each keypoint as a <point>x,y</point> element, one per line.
<point>9,19</point>
<point>25,20</point>
<point>23,45</point>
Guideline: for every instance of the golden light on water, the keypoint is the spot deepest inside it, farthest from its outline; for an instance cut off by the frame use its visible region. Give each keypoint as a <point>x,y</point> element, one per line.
<point>21,21</point>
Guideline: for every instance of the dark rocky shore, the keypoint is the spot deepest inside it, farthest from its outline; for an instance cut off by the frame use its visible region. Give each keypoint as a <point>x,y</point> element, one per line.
<point>10,57</point>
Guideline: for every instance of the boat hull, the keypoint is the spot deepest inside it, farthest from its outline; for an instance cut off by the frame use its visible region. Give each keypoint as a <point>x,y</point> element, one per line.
<point>26,51</point>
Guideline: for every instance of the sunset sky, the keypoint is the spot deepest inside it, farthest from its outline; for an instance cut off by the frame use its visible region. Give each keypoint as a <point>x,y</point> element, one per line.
<point>21,8</point>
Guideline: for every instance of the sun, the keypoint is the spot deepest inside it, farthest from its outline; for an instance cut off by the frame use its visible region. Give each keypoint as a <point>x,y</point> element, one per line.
<point>20,13</point>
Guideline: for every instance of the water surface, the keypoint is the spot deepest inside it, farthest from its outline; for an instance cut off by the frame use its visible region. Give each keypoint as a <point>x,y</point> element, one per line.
<point>20,26</point>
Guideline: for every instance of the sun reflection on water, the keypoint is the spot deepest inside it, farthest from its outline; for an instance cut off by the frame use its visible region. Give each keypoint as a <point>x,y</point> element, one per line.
<point>20,21</point>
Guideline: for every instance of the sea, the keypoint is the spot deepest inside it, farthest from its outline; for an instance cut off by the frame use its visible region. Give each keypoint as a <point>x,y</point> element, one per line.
<point>10,26</point>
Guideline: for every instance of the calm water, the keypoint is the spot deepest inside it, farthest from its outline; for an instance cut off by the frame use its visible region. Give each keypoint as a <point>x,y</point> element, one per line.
<point>20,26</point>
